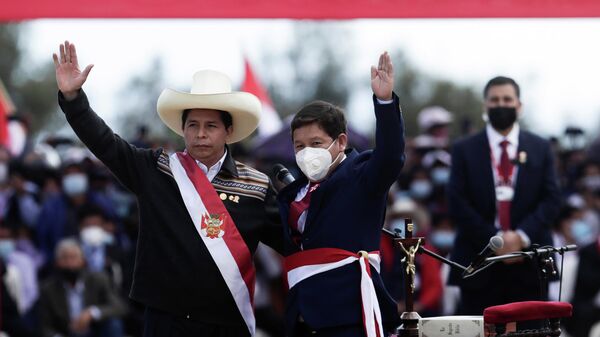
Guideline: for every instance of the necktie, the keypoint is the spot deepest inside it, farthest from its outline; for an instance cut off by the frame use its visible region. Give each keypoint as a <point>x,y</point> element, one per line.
<point>505,171</point>
<point>296,210</point>
<point>506,167</point>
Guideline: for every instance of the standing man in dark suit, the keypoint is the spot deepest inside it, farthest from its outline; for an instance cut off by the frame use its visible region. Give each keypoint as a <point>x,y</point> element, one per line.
<point>202,214</point>
<point>502,182</point>
<point>335,213</point>
<point>77,303</point>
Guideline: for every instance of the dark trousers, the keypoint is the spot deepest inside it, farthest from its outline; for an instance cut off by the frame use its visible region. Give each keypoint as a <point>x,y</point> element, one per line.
<point>162,324</point>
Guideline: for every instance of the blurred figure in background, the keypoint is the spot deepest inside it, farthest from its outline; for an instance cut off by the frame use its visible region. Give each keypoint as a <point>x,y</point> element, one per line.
<point>428,283</point>
<point>77,303</point>
<point>503,181</point>
<point>58,218</point>
<point>100,249</point>
<point>586,300</point>
<point>434,125</point>
<point>21,278</point>
<point>141,138</point>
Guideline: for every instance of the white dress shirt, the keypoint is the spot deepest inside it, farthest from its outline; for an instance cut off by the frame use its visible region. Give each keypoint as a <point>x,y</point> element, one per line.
<point>495,138</point>
<point>212,172</point>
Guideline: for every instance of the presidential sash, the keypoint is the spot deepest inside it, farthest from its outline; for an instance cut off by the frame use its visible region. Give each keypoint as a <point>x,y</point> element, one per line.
<point>304,264</point>
<point>218,232</point>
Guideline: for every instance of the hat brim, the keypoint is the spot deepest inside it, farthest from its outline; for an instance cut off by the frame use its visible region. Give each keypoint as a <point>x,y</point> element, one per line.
<point>244,108</point>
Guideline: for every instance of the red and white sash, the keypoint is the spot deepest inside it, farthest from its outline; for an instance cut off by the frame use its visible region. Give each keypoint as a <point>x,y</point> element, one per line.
<point>218,232</point>
<point>307,263</point>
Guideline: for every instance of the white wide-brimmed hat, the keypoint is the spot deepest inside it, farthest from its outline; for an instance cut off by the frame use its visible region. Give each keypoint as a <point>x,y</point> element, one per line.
<point>211,90</point>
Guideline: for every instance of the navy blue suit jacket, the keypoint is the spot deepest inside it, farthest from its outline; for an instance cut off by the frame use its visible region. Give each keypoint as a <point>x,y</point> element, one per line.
<point>347,212</point>
<point>472,202</point>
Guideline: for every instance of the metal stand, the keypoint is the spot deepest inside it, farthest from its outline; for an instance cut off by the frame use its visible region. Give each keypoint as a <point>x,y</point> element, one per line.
<point>411,246</point>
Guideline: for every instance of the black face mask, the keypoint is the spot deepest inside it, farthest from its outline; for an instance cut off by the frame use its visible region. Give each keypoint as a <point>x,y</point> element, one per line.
<point>502,118</point>
<point>70,275</point>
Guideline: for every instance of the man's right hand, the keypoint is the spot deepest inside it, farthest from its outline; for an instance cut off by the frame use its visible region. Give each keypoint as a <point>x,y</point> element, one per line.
<point>68,76</point>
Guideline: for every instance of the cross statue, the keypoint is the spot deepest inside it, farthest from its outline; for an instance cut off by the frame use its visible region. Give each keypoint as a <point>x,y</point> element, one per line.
<point>410,246</point>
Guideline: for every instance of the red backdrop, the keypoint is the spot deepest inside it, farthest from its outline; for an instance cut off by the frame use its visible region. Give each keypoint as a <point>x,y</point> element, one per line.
<point>296,9</point>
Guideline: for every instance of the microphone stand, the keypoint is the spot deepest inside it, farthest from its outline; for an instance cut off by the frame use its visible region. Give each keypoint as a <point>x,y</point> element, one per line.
<point>423,250</point>
<point>543,254</point>
<point>410,246</point>
<point>543,258</point>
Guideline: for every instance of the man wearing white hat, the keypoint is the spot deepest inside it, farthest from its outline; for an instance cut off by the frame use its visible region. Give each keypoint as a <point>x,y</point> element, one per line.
<point>202,214</point>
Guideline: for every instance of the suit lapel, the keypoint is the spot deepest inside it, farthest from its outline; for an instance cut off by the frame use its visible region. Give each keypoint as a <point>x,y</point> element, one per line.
<point>60,296</point>
<point>522,171</point>
<point>486,178</point>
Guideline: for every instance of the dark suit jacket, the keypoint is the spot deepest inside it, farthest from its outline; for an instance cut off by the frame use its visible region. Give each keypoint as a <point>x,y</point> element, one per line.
<point>55,308</point>
<point>586,313</point>
<point>472,202</point>
<point>346,212</point>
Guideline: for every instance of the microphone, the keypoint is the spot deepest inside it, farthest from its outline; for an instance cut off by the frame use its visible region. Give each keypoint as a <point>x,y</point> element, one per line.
<point>496,242</point>
<point>282,174</point>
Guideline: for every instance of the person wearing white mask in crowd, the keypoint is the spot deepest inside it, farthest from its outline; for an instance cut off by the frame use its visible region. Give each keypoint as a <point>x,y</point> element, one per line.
<point>102,253</point>
<point>335,212</point>
<point>58,218</point>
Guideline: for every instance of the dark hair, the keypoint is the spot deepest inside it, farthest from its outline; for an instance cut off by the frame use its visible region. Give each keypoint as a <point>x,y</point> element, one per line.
<point>328,116</point>
<point>225,117</point>
<point>90,210</point>
<point>501,80</point>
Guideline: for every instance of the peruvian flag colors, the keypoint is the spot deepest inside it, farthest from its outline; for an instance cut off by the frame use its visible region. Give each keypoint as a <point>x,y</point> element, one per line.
<point>270,122</point>
<point>6,108</point>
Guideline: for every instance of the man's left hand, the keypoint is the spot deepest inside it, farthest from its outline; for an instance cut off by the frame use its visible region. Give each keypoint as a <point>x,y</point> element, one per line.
<point>512,243</point>
<point>82,323</point>
<point>382,78</point>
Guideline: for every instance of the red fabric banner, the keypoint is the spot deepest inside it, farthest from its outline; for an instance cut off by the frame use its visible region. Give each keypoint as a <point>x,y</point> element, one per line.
<point>296,9</point>
<point>6,109</point>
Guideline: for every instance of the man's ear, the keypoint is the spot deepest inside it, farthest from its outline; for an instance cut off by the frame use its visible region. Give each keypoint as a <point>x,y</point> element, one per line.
<point>342,141</point>
<point>229,131</point>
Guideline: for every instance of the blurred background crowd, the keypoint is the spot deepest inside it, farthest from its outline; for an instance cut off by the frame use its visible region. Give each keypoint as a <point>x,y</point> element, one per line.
<point>65,217</point>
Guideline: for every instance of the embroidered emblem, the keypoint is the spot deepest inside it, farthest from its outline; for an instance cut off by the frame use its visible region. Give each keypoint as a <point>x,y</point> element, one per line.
<point>211,226</point>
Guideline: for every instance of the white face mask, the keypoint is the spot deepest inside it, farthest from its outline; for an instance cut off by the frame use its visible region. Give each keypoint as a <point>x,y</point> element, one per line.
<point>315,162</point>
<point>75,184</point>
<point>93,235</point>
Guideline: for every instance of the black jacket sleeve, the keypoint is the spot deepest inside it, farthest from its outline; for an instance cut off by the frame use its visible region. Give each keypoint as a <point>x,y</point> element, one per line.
<point>125,160</point>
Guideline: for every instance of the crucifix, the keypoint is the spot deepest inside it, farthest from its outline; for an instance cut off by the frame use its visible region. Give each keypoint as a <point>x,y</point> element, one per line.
<point>409,246</point>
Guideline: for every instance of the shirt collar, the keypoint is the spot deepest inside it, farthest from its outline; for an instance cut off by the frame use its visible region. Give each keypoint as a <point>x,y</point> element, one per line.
<point>495,137</point>
<point>226,163</point>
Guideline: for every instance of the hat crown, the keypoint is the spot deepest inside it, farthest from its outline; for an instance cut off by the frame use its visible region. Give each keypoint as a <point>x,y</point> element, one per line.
<point>210,82</point>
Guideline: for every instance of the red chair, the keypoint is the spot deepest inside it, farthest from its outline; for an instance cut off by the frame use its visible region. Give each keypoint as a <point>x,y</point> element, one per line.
<point>500,315</point>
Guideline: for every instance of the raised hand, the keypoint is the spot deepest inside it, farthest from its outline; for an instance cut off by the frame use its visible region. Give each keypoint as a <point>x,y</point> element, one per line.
<point>382,78</point>
<point>68,75</point>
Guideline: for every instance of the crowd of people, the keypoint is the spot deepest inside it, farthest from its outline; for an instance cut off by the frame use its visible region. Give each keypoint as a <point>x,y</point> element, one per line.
<point>69,231</point>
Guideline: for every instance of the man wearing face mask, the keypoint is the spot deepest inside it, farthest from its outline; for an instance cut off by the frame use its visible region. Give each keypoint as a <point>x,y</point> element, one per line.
<point>502,182</point>
<point>58,217</point>
<point>79,303</point>
<point>334,214</point>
